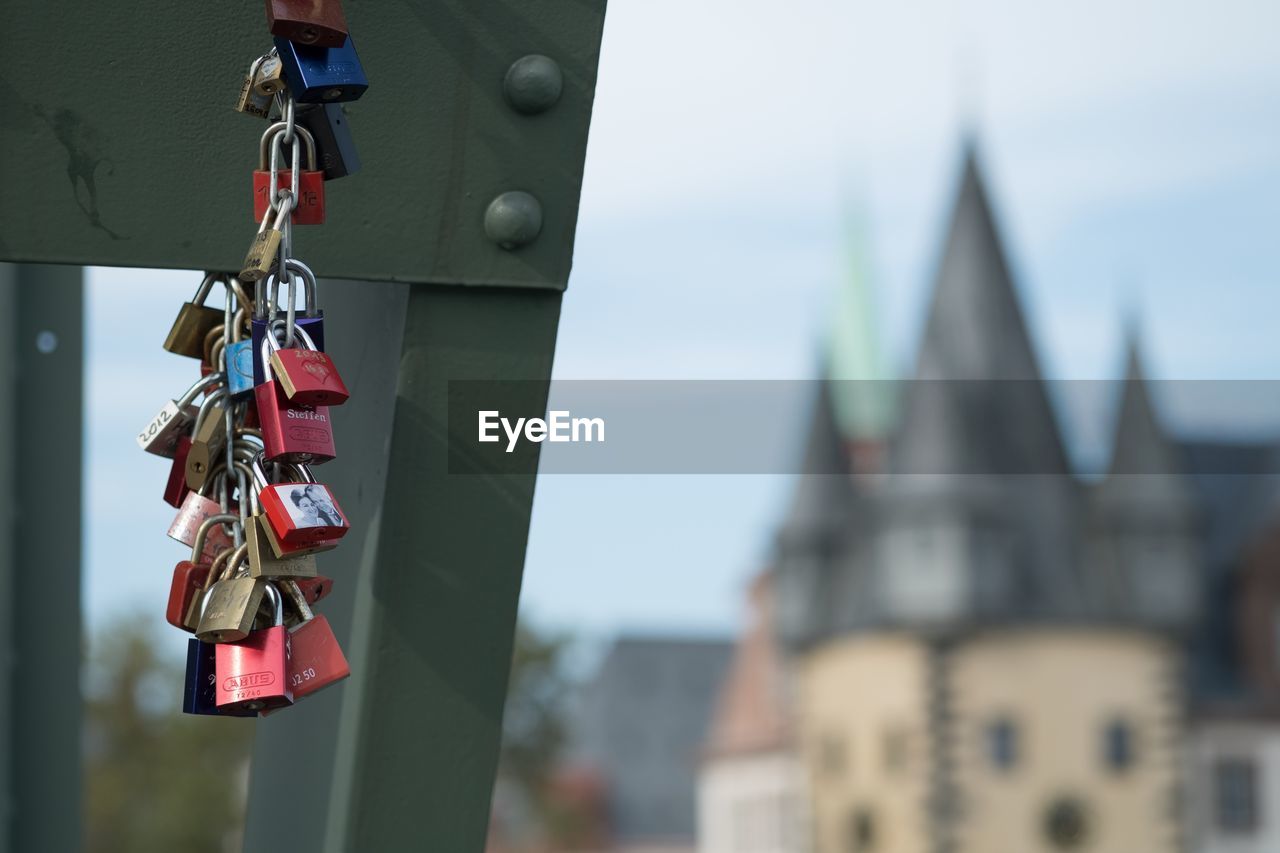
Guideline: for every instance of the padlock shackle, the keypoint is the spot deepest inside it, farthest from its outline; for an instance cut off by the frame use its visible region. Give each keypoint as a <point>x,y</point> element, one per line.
<point>277,605</point>
<point>216,473</point>
<point>197,546</point>
<point>233,564</point>
<point>299,600</point>
<point>207,406</point>
<point>202,384</point>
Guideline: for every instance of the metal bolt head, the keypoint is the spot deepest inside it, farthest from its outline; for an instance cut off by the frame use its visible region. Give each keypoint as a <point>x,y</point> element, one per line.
<point>513,219</point>
<point>533,84</point>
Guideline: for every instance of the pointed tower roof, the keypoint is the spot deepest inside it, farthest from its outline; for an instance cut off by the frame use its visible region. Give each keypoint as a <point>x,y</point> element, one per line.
<point>1146,466</point>
<point>823,492</point>
<point>975,333</point>
<point>750,714</point>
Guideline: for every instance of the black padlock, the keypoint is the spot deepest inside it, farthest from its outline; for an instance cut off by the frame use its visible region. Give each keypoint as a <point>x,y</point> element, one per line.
<point>336,153</point>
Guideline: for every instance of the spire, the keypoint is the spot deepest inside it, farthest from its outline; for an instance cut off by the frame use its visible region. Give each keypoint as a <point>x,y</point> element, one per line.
<point>823,491</point>
<point>975,331</point>
<point>861,395</point>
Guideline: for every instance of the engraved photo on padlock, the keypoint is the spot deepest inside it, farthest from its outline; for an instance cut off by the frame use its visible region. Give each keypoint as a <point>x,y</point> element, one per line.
<point>175,419</point>
<point>253,673</point>
<point>307,376</point>
<point>318,75</point>
<point>300,516</point>
<point>309,199</point>
<point>195,320</point>
<point>311,319</point>
<point>291,433</point>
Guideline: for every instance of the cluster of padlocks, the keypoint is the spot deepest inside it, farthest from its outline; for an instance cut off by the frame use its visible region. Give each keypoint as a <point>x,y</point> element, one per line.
<point>244,436</point>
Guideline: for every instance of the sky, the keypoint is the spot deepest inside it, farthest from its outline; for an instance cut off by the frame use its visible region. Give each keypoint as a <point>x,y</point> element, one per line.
<point>1129,149</point>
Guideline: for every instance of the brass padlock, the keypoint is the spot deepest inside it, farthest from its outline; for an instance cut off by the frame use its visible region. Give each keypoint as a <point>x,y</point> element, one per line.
<point>250,102</point>
<point>195,320</point>
<point>231,604</point>
<point>208,438</point>
<point>263,563</point>
<point>266,243</point>
<point>270,76</point>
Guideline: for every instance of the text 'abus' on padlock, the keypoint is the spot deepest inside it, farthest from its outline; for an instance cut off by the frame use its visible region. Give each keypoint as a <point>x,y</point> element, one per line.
<point>336,153</point>
<point>318,75</point>
<point>291,433</point>
<point>301,516</point>
<point>200,690</point>
<point>190,577</point>
<point>266,243</point>
<point>174,420</point>
<point>309,206</point>
<point>318,22</point>
<point>307,376</point>
<point>194,321</point>
<point>311,318</point>
<point>253,673</point>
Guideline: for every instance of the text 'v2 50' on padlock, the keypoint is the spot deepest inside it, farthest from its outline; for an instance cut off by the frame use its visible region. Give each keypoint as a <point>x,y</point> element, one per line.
<point>253,673</point>
<point>309,204</point>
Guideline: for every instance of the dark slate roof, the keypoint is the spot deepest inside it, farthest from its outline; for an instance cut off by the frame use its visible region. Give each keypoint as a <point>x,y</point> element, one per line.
<point>961,414</point>
<point>641,723</point>
<point>823,493</point>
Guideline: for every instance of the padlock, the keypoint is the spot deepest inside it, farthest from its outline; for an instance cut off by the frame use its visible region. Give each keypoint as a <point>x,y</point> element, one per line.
<point>270,77</point>
<point>175,419</point>
<point>175,489</point>
<point>301,516</point>
<point>336,153</point>
<point>230,603</point>
<point>238,357</point>
<point>197,507</point>
<point>263,563</point>
<point>200,690</point>
<point>253,673</point>
<point>311,318</point>
<point>318,75</point>
<point>208,437</point>
<point>250,101</point>
<point>315,589</point>
<point>194,320</point>
<point>318,22</point>
<point>307,377</point>
<point>190,577</point>
<point>309,198</point>
<point>291,433</point>
<point>317,660</point>
<point>266,243</point>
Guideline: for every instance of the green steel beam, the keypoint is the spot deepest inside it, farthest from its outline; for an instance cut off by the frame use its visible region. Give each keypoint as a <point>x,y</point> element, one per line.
<point>119,145</point>
<point>41,356</point>
<point>403,756</point>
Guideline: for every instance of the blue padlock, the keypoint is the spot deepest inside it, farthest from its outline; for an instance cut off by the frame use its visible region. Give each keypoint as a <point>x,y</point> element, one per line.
<point>239,361</point>
<point>311,320</point>
<point>322,75</point>
<point>199,694</point>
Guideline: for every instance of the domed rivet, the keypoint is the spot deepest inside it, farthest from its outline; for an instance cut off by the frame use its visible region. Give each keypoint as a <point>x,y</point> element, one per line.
<point>533,84</point>
<point>513,219</point>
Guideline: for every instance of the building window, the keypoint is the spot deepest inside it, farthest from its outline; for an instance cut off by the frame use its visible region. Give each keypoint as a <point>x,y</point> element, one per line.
<point>1118,746</point>
<point>1002,744</point>
<point>1236,795</point>
<point>862,831</point>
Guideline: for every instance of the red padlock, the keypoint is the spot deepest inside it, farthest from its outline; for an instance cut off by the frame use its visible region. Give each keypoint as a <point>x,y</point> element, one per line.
<point>316,588</point>
<point>307,376</point>
<point>308,22</point>
<point>302,516</point>
<point>175,490</point>
<point>317,660</point>
<point>290,433</point>
<point>253,674</point>
<point>308,206</point>
<point>196,507</point>
<point>189,576</point>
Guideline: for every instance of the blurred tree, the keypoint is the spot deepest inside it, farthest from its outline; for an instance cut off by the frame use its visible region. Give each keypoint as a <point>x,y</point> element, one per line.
<point>158,780</point>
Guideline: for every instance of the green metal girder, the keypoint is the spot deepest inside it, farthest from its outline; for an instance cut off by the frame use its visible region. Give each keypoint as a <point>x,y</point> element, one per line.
<point>41,354</point>
<point>119,144</point>
<point>403,756</point>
